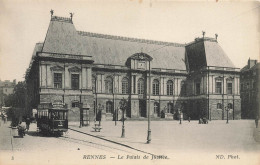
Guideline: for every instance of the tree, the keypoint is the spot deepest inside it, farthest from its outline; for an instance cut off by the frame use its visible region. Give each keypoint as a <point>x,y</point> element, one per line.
<point>17,99</point>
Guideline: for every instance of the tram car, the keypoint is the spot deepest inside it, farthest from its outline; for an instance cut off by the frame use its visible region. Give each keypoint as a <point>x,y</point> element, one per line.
<point>53,121</point>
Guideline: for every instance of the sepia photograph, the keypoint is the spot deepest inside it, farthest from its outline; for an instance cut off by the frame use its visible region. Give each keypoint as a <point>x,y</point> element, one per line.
<point>129,82</point>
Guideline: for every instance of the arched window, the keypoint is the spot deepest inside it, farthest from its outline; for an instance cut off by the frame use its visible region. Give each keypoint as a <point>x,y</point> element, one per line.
<point>140,86</point>
<point>109,107</point>
<point>219,106</point>
<point>93,84</point>
<point>125,87</point>
<point>169,87</point>
<point>230,106</point>
<point>156,87</point>
<point>109,85</point>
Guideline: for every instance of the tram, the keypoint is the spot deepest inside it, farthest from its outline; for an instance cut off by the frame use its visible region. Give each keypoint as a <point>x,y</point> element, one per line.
<point>53,120</point>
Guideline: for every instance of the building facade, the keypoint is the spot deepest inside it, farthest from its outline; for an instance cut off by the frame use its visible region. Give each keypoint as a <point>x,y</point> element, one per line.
<point>250,90</point>
<point>99,70</point>
<point>6,88</point>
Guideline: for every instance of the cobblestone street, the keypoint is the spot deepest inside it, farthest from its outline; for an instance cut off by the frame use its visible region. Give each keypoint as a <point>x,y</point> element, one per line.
<point>174,142</point>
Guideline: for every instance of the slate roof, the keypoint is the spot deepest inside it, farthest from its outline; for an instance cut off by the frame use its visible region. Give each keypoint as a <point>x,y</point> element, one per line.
<point>246,68</point>
<point>215,56</point>
<point>63,38</point>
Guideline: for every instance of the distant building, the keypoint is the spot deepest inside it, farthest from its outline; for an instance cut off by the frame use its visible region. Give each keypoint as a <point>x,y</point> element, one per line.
<point>6,88</point>
<point>250,89</point>
<point>99,70</point>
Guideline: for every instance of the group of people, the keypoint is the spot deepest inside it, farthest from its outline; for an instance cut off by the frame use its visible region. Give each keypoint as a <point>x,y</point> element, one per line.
<point>25,124</point>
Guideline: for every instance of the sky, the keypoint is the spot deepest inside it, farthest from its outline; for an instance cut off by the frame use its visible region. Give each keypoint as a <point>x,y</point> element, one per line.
<point>25,23</point>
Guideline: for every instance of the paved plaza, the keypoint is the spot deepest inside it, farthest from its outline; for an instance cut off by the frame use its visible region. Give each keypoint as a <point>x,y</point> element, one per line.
<point>216,142</point>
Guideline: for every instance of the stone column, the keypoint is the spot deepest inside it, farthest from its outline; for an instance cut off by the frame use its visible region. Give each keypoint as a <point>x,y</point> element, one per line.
<point>84,78</point>
<point>49,77</point>
<point>89,78</point>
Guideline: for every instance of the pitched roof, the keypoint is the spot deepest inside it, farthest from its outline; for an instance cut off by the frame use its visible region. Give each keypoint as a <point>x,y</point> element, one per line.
<point>215,55</point>
<point>63,38</point>
<point>115,50</point>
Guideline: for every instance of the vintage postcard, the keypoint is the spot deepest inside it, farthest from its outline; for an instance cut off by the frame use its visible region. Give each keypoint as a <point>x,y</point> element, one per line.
<point>129,82</point>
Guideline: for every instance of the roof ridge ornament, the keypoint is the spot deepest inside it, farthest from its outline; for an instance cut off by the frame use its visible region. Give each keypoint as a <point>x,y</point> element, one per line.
<point>52,11</point>
<point>203,33</point>
<point>71,16</point>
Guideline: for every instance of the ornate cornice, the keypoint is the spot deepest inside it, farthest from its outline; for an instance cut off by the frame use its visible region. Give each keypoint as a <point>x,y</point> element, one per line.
<point>57,68</point>
<point>74,69</point>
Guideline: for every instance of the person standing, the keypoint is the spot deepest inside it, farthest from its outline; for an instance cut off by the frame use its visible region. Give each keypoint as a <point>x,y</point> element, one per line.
<point>28,122</point>
<point>256,121</point>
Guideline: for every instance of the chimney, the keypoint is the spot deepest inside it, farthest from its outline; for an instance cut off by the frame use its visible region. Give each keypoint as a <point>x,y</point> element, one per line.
<point>251,63</point>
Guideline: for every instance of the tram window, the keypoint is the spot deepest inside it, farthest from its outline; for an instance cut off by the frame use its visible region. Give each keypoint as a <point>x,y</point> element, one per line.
<point>75,104</point>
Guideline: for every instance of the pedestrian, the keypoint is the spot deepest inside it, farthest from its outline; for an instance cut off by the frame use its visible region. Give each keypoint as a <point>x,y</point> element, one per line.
<point>181,116</point>
<point>189,119</point>
<point>256,121</point>
<point>5,119</point>
<point>27,121</point>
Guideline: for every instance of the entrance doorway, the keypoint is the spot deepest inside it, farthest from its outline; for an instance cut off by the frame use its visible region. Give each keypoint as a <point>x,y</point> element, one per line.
<point>157,109</point>
<point>142,108</point>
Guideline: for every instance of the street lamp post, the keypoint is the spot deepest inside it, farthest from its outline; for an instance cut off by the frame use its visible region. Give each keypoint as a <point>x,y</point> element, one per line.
<point>123,105</point>
<point>116,111</point>
<point>149,100</point>
<point>123,126</point>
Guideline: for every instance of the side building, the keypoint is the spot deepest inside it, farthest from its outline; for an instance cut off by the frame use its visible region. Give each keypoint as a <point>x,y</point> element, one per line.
<point>99,70</point>
<point>250,90</point>
<point>6,88</point>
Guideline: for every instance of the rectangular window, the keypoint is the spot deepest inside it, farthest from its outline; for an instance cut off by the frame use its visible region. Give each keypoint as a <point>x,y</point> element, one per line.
<point>229,88</point>
<point>197,88</point>
<point>75,104</point>
<point>58,80</point>
<point>218,87</point>
<point>75,81</point>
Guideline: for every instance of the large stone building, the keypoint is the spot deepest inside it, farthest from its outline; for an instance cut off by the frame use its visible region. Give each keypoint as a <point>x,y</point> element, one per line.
<point>250,90</point>
<point>99,70</point>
